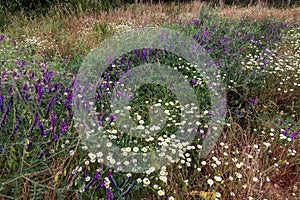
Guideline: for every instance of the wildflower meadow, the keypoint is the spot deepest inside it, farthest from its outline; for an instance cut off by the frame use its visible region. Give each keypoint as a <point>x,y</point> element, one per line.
<point>166,104</point>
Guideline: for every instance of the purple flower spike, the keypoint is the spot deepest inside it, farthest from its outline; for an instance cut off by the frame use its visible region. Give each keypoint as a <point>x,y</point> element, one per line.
<point>42,154</point>
<point>35,120</point>
<point>95,179</point>
<point>41,127</point>
<point>17,125</point>
<point>49,106</point>
<point>111,118</point>
<point>29,141</point>
<point>2,37</point>
<point>39,93</point>
<point>285,132</point>
<point>1,104</point>
<point>109,173</point>
<point>292,136</point>
<point>53,120</point>
<point>63,127</point>
<point>101,184</point>
<point>254,101</point>
<point>128,190</point>
<point>109,194</point>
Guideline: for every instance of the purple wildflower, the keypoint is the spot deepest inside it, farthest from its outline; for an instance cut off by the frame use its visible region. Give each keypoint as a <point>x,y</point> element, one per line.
<point>1,104</point>
<point>29,142</point>
<point>109,194</point>
<point>101,184</point>
<point>128,190</point>
<point>35,120</point>
<point>41,127</point>
<point>238,112</point>
<point>111,118</point>
<point>42,154</point>
<point>95,179</point>
<point>254,101</point>
<point>49,107</point>
<point>17,125</point>
<point>63,126</point>
<point>54,139</point>
<point>53,120</point>
<point>39,93</point>
<point>2,37</point>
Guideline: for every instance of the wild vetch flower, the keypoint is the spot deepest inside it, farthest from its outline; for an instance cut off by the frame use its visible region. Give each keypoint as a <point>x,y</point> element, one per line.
<point>2,37</point>
<point>101,184</point>
<point>29,141</point>
<point>128,190</point>
<point>42,154</point>
<point>1,104</point>
<point>47,77</point>
<point>49,106</point>
<point>41,127</point>
<point>253,101</point>
<point>69,100</point>
<point>111,118</point>
<point>53,120</point>
<point>35,120</point>
<point>54,138</point>
<point>63,126</point>
<point>114,182</point>
<point>17,125</point>
<point>95,179</point>
<point>39,94</point>
<point>6,111</point>
<point>109,194</point>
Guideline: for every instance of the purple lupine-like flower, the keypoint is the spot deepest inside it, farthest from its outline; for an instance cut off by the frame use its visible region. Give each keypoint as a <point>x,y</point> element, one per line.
<point>292,135</point>
<point>35,120</point>
<point>111,118</point>
<point>111,178</point>
<point>63,127</point>
<point>39,94</point>
<point>2,37</point>
<point>29,142</point>
<point>42,129</point>
<point>109,194</point>
<point>1,104</point>
<point>109,173</point>
<point>47,77</point>
<point>95,179</point>
<point>53,120</point>
<point>17,125</point>
<point>128,190</point>
<point>285,132</point>
<point>101,184</point>
<point>69,100</point>
<point>54,139</point>
<point>254,101</point>
<point>194,81</point>
<point>42,154</point>
<point>14,42</point>
<point>49,107</point>
<point>238,112</point>
<point>7,109</point>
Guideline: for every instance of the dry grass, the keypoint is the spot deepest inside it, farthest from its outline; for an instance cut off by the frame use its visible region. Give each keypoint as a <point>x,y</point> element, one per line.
<point>63,34</point>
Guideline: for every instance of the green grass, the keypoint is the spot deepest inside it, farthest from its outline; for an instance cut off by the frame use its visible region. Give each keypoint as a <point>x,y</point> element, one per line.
<point>256,156</point>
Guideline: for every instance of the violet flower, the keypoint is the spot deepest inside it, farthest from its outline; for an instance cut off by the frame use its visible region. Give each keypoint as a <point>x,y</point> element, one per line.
<point>1,104</point>
<point>101,184</point>
<point>95,179</point>
<point>53,120</point>
<point>17,125</point>
<point>63,126</point>
<point>41,127</point>
<point>35,120</point>
<point>49,107</point>
<point>39,93</point>
<point>109,194</point>
<point>128,190</point>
